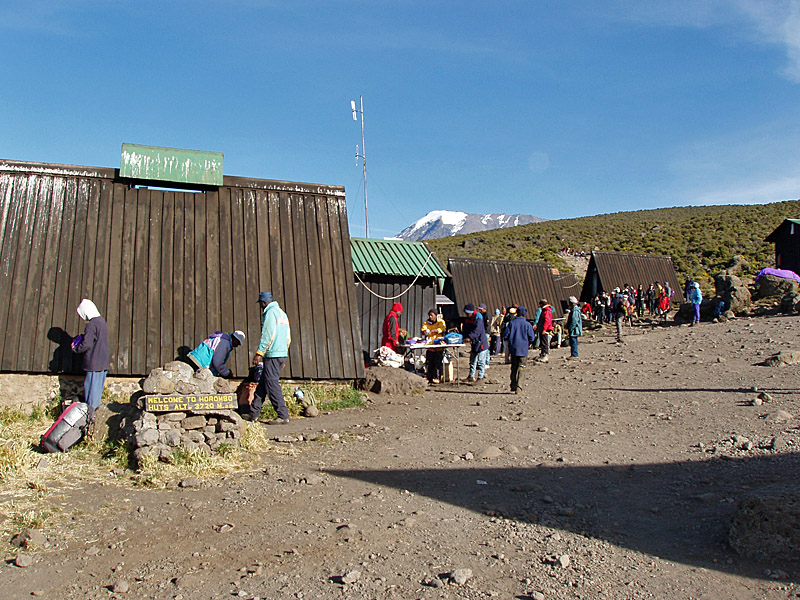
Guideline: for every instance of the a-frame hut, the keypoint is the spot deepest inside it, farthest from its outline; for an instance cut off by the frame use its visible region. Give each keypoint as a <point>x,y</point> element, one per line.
<point>499,283</point>
<point>609,270</point>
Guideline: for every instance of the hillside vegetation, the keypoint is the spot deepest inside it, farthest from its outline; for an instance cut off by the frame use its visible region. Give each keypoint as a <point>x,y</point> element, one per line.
<point>701,240</point>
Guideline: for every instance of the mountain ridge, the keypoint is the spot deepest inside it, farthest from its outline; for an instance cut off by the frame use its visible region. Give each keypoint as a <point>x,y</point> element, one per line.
<point>446,223</point>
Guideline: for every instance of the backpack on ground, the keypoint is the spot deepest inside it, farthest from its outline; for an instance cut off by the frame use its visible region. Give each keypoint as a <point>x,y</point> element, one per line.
<point>68,429</point>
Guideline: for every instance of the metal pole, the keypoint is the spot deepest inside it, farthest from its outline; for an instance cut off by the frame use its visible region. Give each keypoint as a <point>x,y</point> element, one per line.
<point>364,158</point>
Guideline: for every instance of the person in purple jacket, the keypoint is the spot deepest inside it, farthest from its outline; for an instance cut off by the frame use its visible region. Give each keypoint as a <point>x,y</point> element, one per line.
<point>93,344</point>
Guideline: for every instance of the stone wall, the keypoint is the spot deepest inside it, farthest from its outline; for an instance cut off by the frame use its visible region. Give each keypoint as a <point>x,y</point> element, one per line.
<point>159,435</point>
<point>27,391</point>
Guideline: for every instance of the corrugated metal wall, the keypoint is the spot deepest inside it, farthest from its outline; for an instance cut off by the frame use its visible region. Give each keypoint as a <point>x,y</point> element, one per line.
<point>499,283</point>
<point>608,270</point>
<point>373,310</point>
<point>166,268</point>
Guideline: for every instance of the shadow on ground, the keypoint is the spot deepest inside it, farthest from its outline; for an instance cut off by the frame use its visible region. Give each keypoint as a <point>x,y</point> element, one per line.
<point>676,511</point>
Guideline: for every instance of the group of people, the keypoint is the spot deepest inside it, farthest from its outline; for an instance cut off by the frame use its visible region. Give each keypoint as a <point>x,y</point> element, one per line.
<point>511,328</point>
<point>211,353</point>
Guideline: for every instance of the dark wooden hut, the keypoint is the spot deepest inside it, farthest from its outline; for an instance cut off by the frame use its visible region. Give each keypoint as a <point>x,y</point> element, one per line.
<point>388,271</point>
<point>787,245</point>
<point>609,270</point>
<point>167,267</point>
<point>499,283</point>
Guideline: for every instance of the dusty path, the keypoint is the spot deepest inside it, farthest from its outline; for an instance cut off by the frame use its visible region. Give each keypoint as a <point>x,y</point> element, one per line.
<point>611,477</point>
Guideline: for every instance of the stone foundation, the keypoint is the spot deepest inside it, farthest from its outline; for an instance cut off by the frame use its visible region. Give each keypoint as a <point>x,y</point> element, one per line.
<point>159,435</point>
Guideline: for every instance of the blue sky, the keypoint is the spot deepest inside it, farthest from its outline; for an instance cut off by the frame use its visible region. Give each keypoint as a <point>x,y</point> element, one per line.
<point>557,109</point>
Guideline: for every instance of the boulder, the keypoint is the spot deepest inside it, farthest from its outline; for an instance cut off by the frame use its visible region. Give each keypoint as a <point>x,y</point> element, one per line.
<point>790,302</point>
<point>768,286</point>
<point>767,528</point>
<point>391,381</point>
<point>183,370</point>
<point>732,290</point>
<point>783,358</point>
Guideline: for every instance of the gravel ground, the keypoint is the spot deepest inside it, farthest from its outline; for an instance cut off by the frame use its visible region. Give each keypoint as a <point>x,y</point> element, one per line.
<point>614,476</point>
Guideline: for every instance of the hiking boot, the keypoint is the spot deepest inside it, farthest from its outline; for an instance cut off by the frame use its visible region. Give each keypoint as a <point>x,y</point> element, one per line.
<point>468,380</point>
<point>544,358</point>
<point>278,422</point>
<point>435,381</point>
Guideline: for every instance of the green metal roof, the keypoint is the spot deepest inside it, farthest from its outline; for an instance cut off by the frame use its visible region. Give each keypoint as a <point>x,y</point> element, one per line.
<point>394,257</point>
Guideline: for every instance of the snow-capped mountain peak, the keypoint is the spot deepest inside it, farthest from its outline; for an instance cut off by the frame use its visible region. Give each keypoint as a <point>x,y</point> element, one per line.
<point>444,223</point>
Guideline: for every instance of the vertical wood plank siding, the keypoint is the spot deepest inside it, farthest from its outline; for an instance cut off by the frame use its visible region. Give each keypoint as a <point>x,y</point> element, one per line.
<point>166,268</point>
<point>499,283</point>
<point>373,310</point>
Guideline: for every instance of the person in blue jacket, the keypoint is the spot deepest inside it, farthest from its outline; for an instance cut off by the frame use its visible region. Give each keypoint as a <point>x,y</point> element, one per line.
<point>695,296</point>
<point>273,349</point>
<point>519,337</point>
<point>475,332</point>
<point>214,351</point>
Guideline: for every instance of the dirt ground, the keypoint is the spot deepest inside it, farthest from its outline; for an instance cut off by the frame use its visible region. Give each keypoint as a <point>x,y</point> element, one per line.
<point>613,476</point>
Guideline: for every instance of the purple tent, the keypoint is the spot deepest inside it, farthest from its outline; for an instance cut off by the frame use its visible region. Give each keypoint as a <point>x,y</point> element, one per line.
<point>782,273</point>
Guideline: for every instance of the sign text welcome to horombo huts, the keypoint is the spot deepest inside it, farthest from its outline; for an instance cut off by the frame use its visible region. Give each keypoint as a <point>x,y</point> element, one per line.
<point>196,402</point>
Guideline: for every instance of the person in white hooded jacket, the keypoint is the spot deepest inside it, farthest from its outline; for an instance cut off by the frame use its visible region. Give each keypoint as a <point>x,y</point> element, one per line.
<point>93,344</point>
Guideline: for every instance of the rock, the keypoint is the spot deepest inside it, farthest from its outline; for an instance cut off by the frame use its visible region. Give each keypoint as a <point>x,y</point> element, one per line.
<point>224,386</point>
<point>783,358</point>
<point>757,402</point>
<point>29,538</point>
<point>23,560</point>
<point>766,528</point>
<point>490,452</point>
<point>310,411</point>
<point>778,444</point>
<point>779,416</point>
<point>351,576</point>
<point>194,422</point>
<point>731,290</point>
<point>765,397</point>
<point>768,286</point>
<point>461,576</point>
<point>190,482</point>
<point>563,560</point>
<point>120,587</point>
<point>204,374</point>
<point>183,370</point>
<point>391,381</point>
<point>537,595</point>
<point>146,437</point>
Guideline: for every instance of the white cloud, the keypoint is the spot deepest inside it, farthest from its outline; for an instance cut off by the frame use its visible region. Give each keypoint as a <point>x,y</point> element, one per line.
<point>772,22</point>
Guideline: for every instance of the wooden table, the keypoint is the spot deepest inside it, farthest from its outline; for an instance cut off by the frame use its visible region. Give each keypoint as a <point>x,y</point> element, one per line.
<point>412,348</point>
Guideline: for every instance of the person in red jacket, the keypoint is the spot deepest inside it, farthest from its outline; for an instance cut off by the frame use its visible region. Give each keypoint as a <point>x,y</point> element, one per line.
<point>545,330</point>
<point>391,328</point>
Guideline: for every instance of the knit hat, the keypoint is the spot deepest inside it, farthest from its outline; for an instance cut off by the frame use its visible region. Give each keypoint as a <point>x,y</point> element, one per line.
<point>573,300</point>
<point>469,308</point>
<point>522,311</point>
<point>497,311</point>
<point>239,335</point>
<point>481,306</point>
<point>265,297</point>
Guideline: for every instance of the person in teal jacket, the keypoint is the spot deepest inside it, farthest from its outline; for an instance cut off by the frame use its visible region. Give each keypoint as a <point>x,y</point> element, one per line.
<point>273,348</point>
<point>574,326</point>
<point>213,352</point>
<point>695,296</point>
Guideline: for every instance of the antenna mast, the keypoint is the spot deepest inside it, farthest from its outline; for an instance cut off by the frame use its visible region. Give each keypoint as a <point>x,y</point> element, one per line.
<point>363,155</point>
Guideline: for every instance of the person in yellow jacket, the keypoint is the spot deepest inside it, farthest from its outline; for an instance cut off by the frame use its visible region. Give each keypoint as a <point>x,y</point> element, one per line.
<point>433,329</point>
